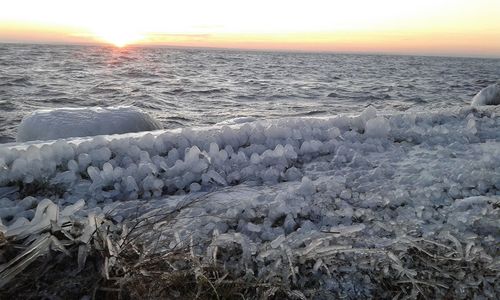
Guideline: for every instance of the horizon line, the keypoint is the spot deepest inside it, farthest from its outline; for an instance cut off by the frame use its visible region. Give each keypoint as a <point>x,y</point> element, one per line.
<point>263,50</point>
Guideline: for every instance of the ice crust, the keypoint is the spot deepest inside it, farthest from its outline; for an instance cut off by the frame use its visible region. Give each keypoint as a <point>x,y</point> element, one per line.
<point>51,124</point>
<point>490,95</point>
<point>277,186</point>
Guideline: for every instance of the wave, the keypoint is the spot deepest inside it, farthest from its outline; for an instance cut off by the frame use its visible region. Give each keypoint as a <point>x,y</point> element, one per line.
<point>360,96</point>
<point>310,113</point>
<point>184,91</point>
<point>23,81</point>
<point>6,105</point>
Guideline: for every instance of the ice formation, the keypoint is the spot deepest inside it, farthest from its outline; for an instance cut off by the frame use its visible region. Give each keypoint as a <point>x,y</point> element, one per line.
<point>51,124</point>
<point>299,188</point>
<point>238,120</point>
<point>490,95</point>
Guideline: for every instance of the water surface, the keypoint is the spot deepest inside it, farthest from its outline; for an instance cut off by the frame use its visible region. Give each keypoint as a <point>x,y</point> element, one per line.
<point>196,87</point>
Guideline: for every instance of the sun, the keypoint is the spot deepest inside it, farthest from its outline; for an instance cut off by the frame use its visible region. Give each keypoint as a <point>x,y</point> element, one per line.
<point>118,36</point>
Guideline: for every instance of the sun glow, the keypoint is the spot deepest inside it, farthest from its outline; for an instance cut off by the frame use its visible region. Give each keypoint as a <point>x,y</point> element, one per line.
<point>436,26</point>
<point>117,38</point>
<point>116,30</point>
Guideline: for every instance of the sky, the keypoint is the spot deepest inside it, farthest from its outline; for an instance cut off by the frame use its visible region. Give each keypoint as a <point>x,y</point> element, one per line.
<point>428,27</point>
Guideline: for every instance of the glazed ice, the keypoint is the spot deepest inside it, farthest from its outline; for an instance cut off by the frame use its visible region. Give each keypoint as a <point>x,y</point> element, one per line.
<point>52,124</point>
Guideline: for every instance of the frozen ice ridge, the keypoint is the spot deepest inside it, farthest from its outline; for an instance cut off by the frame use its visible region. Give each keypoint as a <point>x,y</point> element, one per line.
<point>490,95</point>
<point>159,163</point>
<point>51,124</point>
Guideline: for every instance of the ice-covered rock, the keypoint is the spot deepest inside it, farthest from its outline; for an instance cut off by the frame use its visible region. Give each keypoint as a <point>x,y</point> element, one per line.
<point>490,95</point>
<point>50,124</point>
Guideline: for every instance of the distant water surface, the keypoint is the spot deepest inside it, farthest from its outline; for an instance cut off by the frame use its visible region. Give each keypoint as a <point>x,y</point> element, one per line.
<point>186,87</point>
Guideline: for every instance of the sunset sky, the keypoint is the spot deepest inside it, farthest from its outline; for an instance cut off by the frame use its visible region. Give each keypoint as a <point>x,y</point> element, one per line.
<point>430,27</point>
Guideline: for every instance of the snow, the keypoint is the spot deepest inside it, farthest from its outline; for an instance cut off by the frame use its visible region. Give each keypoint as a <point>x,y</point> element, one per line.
<point>490,95</point>
<point>305,187</point>
<point>51,124</point>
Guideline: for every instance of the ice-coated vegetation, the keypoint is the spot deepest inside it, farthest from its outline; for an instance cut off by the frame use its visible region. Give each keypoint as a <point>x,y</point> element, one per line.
<point>288,193</point>
<point>51,124</point>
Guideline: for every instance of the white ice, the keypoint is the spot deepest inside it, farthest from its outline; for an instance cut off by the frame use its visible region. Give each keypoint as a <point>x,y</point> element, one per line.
<point>51,124</point>
<point>490,95</point>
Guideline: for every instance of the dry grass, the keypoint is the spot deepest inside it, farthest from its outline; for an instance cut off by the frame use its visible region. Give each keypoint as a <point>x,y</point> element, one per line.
<point>118,265</point>
<point>38,187</point>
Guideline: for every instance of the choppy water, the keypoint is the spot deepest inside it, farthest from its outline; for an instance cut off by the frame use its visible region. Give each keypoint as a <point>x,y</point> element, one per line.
<point>184,87</point>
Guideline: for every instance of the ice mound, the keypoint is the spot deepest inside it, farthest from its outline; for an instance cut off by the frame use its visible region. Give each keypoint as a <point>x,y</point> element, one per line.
<point>51,124</point>
<point>490,95</point>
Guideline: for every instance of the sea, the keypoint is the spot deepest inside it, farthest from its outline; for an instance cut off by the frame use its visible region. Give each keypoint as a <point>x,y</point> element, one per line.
<point>200,87</point>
